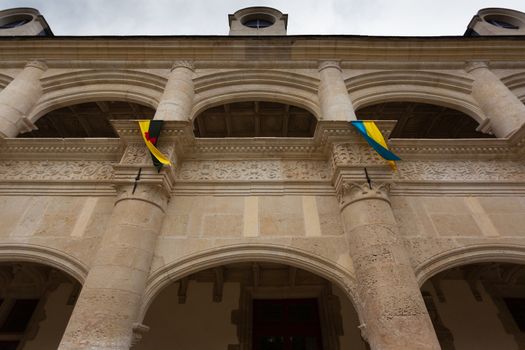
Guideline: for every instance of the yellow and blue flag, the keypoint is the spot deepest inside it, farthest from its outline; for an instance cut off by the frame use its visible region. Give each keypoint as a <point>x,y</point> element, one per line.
<point>150,130</point>
<point>369,130</point>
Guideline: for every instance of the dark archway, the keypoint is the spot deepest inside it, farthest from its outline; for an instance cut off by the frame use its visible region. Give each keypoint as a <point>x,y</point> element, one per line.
<point>255,119</point>
<point>423,121</point>
<point>36,302</point>
<point>226,301</point>
<point>87,119</point>
<point>478,306</point>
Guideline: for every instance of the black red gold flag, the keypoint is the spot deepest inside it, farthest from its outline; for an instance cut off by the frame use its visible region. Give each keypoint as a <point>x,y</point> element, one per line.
<point>150,130</point>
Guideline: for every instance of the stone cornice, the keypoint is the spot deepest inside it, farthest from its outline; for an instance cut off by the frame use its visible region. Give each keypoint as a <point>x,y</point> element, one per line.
<point>300,48</point>
<point>129,131</point>
<point>61,149</point>
<point>316,148</point>
<point>166,64</point>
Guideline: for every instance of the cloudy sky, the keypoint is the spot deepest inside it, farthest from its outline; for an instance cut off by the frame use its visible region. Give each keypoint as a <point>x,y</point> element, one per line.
<point>209,17</point>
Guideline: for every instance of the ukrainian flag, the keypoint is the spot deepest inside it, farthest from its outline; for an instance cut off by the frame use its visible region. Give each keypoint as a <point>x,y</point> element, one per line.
<point>150,130</point>
<point>373,136</point>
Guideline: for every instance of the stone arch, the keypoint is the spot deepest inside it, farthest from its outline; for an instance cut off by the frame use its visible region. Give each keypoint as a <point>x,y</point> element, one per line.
<point>45,256</point>
<point>516,84</point>
<point>185,266</point>
<point>249,85</point>
<point>469,255</point>
<point>4,81</point>
<point>98,85</point>
<point>447,90</point>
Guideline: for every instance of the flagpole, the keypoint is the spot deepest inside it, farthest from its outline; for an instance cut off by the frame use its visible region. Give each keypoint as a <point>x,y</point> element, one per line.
<point>137,178</point>
<point>368,179</point>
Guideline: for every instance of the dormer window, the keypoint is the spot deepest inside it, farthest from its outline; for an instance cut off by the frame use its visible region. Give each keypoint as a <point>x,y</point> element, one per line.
<point>258,23</point>
<point>502,24</point>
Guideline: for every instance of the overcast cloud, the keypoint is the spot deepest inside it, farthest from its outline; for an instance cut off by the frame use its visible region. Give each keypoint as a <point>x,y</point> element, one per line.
<point>209,17</point>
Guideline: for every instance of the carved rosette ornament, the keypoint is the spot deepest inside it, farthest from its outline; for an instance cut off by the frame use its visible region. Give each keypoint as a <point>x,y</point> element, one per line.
<point>350,192</point>
<point>136,154</point>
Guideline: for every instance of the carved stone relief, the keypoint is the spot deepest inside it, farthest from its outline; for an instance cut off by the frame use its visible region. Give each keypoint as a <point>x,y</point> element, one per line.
<point>461,170</point>
<point>56,170</point>
<point>264,170</point>
<point>261,170</point>
<point>138,153</point>
<point>347,154</point>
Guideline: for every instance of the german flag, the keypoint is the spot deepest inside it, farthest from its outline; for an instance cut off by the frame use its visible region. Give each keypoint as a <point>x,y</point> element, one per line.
<point>150,130</point>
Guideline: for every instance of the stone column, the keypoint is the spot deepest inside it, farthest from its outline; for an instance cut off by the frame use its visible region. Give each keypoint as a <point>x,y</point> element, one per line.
<point>504,110</point>
<point>108,306</point>
<point>333,96</point>
<point>177,100</point>
<point>393,310</point>
<point>19,98</point>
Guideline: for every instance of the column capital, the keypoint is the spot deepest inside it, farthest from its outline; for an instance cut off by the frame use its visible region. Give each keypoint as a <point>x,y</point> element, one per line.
<point>349,192</point>
<point>329,64</point>
<point>473,65</point>
<point>183,64</point>
<point>37,64</point>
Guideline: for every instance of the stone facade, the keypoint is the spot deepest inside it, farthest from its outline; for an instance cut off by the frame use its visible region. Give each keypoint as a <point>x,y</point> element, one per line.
<point>78,205</point>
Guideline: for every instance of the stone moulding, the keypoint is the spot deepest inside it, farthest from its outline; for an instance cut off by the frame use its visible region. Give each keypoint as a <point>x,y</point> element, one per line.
<point>425,78</point>
<point>88,77</point>
<point>316,148</point>
<point>47,256</point>
<point>173,271</point>
<point>256,84</point>
<point>246,76</point>
<point>301,48</point>
<point>129,131</point>
<point>61,149</point>
<point>432,265</point>
<point>4,80</point>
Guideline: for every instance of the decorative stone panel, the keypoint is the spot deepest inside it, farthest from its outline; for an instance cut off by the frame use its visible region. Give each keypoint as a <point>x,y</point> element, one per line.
<point>56,170</point>
<point>359,155</point>
<point>461,170</point>
<point>256,170</point>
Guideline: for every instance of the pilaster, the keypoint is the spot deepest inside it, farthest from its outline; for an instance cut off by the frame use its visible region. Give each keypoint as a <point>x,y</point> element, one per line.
<point>19,98</point>
<point>504,110</point>
<point>333,95</point>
